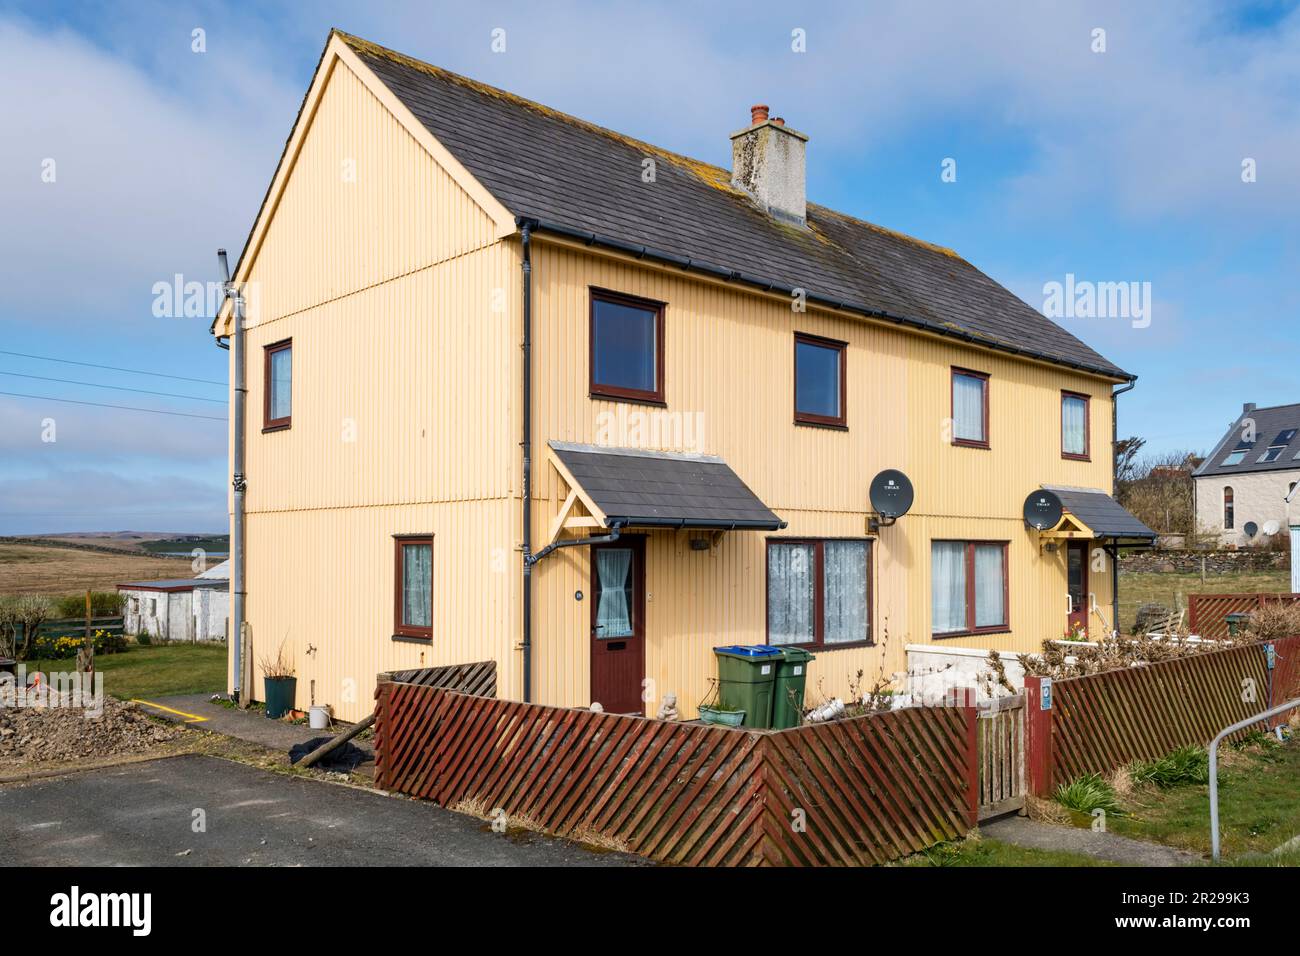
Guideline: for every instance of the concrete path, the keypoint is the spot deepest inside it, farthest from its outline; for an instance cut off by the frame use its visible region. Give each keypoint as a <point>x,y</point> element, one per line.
<point>1021,831</point>
<point>144,815</point>
<point>197,711</point>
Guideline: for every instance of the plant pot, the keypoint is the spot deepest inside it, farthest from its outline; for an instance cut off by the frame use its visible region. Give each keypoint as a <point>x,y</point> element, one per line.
<point>280,692</point>
<point>725,718</point>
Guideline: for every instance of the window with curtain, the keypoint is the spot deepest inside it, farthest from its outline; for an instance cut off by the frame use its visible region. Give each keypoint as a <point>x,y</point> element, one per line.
<point>1074,425</point>
<point>626,345</point>
<point>968,586</point>
<point>614,607</point>
<point>414,586</point>
<point>819,592</point>
<point>1227,509</point>
<point>970,408</point>
<point>818,380</point>
<point>279,384</point>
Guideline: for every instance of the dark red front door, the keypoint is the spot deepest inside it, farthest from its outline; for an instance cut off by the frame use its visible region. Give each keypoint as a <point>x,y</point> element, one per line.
<point>618,625</point>
<point>1076,563</point>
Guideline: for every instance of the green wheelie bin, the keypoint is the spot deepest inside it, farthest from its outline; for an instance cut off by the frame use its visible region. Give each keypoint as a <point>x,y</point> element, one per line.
<point>745,681</point>
<point>788,687</point>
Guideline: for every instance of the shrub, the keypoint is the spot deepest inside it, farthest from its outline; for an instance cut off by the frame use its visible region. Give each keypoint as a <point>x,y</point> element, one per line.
<point>102,604</point>
<point>1186,765</point>
<point>1087,794</point>
<point>1275,619</point>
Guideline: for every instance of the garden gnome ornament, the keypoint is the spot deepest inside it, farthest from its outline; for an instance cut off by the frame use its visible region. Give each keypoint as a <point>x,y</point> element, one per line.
<point>668,709</point>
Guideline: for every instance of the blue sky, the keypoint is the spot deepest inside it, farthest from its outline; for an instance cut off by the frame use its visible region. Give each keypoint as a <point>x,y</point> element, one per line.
<point>1115,166</point>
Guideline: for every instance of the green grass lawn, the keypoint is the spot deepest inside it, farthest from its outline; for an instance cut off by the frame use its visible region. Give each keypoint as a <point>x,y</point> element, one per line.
<point>980,852</point>
<point>1171,589</point>
<point>152,672</point>
<point>1259,808</point>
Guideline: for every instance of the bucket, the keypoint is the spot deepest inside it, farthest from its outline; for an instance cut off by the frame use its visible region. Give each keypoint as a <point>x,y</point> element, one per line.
<point>280,692</point>
<point>318,717</point>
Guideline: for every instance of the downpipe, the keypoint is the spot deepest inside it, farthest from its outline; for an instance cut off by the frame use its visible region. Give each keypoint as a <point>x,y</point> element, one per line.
<point>526,444</point>
<point>238,479</point>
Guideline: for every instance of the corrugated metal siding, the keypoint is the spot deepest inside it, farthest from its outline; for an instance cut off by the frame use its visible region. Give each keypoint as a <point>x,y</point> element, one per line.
<point>729,359</point>
<point>403,312</point>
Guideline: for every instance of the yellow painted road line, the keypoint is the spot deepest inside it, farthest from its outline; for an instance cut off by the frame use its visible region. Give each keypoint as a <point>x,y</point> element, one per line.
<point>189,718</point>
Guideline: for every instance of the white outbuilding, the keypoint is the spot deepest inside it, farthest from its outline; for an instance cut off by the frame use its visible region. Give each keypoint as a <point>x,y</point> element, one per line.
<point>179,609</point>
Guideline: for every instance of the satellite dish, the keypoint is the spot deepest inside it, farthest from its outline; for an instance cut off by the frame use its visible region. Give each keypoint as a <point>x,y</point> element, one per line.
<point>1250,528</point>
<point>1043,509</point>
<point>1271,527</point>
<point>891,494</point>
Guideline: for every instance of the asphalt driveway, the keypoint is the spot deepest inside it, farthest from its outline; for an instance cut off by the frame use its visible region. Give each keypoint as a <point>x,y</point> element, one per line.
<point>146,814</point>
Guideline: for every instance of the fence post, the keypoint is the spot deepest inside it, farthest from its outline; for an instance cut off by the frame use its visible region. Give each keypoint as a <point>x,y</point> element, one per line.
<point>1038,739</point>
<point>967,700</point>
<point>383,686</point>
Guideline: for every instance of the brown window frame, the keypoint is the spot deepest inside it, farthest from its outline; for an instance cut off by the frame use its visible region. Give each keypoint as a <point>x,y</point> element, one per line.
<point>1087,426</point>
<point>971,629</point>
<point>1229,508</point>
<point>839,421</point>
<point>270,424</point>
<point>401,630</point>
<point>819,593</point>
<point>615,392</point>
<point>952,406</point>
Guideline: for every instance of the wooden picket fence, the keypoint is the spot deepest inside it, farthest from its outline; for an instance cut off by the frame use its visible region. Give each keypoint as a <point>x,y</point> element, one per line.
<point>859,791</point>
<point>1207,614</point>
<point>1104,721</point>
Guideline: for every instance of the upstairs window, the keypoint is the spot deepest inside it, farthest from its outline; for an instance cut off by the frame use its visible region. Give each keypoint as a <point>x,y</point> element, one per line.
<point>1235,458</point>
<point>278,408</point>
<point>1074,425</point>
<point>1227,509</point>
<point>818,380</point>
<point>970,408</point>
<point>627,347</point>
<point>413,587</point>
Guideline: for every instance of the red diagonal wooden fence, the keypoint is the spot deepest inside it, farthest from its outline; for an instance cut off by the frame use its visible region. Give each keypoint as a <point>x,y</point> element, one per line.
<point>1207,614</point>
<point>865,790</point>
<point>1104,721</point>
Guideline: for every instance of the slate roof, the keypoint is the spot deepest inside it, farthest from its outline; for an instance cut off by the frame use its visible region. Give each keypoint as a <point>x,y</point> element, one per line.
<point>1269,424</point>
<point>577,179</point>
<point>1102,513</point>
<point>664,489</point>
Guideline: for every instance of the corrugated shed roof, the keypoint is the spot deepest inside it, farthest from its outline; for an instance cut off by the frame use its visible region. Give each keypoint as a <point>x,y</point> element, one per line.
<point>1270,426</point>
<point>664,489</point>
<point>575,177</point>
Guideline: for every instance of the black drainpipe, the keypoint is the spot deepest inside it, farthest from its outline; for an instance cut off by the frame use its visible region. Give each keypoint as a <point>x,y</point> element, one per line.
<point>526,442</point>
<point>1114,463</point>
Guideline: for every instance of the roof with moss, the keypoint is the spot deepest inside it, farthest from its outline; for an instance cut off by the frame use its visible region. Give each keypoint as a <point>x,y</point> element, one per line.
<point>572,175</point>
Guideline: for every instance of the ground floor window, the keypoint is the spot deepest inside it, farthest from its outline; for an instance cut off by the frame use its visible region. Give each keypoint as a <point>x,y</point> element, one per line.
<point>968,587</point>
<point>413,580</point>
<point>819,592</point>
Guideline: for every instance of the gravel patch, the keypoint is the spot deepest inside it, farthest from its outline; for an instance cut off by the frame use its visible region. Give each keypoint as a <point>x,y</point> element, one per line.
<point>47,730</point>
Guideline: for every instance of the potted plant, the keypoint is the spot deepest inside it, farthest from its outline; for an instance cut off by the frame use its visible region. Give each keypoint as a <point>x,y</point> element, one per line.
<point>281,683</point>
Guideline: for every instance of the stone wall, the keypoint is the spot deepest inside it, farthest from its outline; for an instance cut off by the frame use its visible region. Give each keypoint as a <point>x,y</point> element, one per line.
<point>1216,562</point>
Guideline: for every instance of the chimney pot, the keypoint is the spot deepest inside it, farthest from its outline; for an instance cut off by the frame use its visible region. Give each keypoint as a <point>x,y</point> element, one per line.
<point>757,114</point>
<point>778,121</point>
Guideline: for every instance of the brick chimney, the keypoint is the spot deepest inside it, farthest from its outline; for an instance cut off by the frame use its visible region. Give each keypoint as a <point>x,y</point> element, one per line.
<point>767,161</point>
<point>1247,407</point>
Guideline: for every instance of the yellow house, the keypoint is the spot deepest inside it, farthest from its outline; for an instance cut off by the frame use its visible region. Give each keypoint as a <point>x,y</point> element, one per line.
<point>520,388</point>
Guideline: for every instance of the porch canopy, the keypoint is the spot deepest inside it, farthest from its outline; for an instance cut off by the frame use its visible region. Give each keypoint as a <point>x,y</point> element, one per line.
<point>1092,514</point>
<point>631,487</point>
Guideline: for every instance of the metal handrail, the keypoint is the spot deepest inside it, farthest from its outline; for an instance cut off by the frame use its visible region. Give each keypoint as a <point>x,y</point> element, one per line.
<point>1214,764</point>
